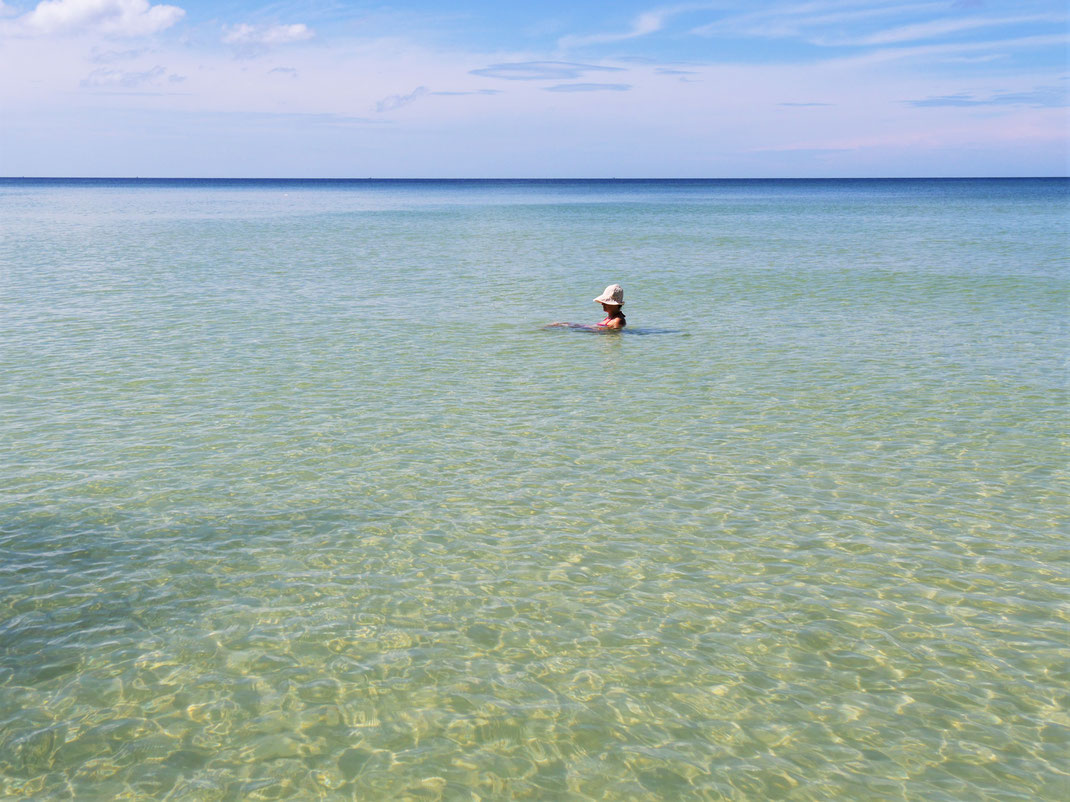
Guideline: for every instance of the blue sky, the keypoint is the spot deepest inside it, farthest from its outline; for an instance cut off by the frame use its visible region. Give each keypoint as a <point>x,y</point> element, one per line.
<point>551,89</point>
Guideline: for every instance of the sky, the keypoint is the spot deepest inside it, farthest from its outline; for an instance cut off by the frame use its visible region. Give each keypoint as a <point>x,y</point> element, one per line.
<point>728,88</point>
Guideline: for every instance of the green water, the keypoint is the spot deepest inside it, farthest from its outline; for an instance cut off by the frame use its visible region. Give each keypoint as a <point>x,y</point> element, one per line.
<point>299,500</point>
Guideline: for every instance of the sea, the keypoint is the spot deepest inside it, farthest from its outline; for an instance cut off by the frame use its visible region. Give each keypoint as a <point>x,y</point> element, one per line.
<point>302,498</point>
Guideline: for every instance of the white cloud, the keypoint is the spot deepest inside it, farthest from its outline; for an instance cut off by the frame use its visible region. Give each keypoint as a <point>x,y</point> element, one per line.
<point>108,17</point>
<point>246,34</point>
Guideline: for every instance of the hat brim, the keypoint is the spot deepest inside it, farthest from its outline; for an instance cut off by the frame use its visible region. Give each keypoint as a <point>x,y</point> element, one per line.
<point>609,301</point>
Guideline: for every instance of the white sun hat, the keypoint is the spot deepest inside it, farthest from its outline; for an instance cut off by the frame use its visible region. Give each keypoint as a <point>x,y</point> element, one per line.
<point>613,294</point>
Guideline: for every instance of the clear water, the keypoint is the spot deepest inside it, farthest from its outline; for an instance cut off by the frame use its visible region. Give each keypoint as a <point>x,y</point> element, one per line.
<point>299,499</point>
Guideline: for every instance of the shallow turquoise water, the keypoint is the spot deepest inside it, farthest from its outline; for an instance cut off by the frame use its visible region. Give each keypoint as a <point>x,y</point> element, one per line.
<point>299,499</point>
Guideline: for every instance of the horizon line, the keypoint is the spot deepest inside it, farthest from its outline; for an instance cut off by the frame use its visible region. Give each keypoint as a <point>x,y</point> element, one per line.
<point>528,178</point>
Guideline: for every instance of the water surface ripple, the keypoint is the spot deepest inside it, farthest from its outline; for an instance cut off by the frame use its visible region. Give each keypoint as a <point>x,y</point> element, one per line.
<point>299,500</point>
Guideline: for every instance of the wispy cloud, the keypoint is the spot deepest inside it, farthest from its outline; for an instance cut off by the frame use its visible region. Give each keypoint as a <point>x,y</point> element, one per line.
<point>121,18</point>
<point>932,138</point>
<point>952,51</point>
<point>794,20</point>
<point>935,29</point>
<point>128,79</point>
<point>838,23</point>
<point>589,88</point>
<point>805,150</point>
<point>394,102</point>
<point>1041,97</point>
<point>98,56</point>
<point>304,118</point>
<point>469,92</point>
<point>540,70</point>
<point>645,24</point>
<point>283,71</point>
<point>850,23</point>
<point>245,34</point>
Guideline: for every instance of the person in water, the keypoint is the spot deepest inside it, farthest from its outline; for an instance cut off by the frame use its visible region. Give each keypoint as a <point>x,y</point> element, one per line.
<point>612,298</point>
